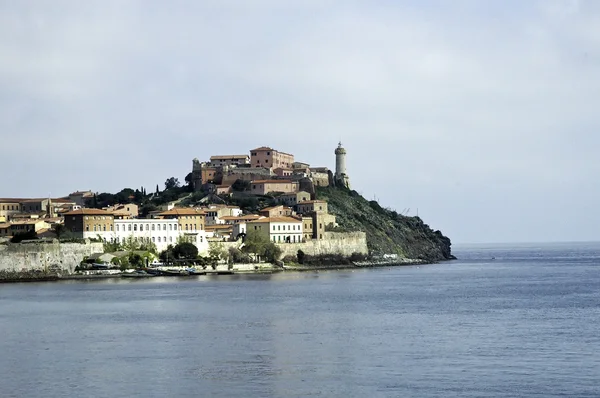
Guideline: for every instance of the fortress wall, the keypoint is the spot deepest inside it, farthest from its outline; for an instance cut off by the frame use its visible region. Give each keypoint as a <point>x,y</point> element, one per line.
<point>334,243</point>
<point>41,255</point>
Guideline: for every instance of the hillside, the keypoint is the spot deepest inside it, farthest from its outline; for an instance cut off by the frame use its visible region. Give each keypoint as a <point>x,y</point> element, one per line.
<point>387,231</point>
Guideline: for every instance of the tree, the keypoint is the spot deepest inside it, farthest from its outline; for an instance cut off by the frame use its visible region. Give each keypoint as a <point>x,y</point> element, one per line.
<point>300,256</point>
<point>216,252</point>
<point>189,182</point>
<point>135,259</point>
<point>149,246</point>
<point>59,229</point>
<point>259,244</point>
<point>21,236</point>
<point>131,244</point>
<point>185,251</point>
<point>172,182</point>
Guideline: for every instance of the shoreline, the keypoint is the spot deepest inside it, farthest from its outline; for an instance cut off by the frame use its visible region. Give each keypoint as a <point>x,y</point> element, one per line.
<point>261,268</point>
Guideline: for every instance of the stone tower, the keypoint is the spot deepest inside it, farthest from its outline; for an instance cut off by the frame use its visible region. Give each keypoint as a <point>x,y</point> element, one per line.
<point>341,178</point>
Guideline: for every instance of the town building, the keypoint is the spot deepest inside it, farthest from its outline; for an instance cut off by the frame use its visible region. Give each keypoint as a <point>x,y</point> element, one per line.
<point>80,197</point>
<point>290,199</point>
<point>161,232</point>
<point>270,158</point>
<point>317,212</point>
<point>229,160</point>
<point>215,213</point>
<point>278,229</point>
<point>129,210</point>
<point>9,207</point>
<point>90,223</point>
<point>263,187</point>
<point>277,211</point>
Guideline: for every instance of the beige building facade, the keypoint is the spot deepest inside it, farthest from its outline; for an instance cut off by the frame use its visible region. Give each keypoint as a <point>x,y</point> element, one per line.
<point>89,223</point>
<point>278,229</point>
<point>270,158</point>
<point>263,187</point>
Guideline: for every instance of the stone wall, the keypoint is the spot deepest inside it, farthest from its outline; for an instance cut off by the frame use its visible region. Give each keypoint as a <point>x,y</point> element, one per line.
<point>41,255</point>
<point>334,243</point>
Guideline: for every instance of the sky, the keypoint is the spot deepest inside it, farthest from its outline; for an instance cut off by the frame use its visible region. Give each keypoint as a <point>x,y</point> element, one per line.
<point>480,116</point>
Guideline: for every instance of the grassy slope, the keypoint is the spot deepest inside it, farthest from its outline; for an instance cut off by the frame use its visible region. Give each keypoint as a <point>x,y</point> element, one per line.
<point>387,231</point>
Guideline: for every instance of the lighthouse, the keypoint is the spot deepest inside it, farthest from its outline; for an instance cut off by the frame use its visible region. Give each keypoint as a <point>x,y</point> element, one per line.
<point>341,178</point>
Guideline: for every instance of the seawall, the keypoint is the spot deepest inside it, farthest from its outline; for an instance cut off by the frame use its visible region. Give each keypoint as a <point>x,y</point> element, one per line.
<point>344,243</point>
<point>33,255</point>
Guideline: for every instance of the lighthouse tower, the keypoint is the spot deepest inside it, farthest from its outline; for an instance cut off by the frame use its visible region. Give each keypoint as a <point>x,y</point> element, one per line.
<point>341,178</point>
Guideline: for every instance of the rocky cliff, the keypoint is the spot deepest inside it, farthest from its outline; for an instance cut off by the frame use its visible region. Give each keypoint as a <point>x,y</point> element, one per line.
<point>387,231</point>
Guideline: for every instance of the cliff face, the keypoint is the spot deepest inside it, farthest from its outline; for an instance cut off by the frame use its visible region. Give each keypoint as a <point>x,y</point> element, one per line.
<point>387,231</point>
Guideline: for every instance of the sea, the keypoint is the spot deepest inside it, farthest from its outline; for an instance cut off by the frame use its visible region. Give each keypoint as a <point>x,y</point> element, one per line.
<point>501,321</point>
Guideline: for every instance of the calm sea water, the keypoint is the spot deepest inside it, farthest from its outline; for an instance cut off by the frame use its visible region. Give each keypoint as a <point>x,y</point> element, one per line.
<point>524,324</point>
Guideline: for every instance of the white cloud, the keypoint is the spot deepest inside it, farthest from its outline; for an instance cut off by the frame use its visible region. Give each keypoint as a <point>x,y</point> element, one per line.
<point>482,115</point>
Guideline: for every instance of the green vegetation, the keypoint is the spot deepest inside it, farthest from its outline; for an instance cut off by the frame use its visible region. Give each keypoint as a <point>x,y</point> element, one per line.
<point>387,231</point>
<point>21,236</point>
<point>259,245</point>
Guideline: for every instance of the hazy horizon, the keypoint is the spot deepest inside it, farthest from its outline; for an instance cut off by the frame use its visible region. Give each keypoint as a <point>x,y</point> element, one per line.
<point>480,115</point>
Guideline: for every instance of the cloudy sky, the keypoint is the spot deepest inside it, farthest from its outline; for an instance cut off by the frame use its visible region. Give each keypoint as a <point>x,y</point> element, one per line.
<point>481,115</point>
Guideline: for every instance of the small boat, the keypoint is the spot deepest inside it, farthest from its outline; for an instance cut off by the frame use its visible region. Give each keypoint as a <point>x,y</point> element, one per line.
<point>137,274</point>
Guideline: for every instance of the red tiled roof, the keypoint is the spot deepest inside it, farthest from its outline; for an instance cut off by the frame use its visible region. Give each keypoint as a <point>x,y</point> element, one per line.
<point>276,219</point>
<point>271,182</point>
<point>88,212</point>
<point>177,211</point>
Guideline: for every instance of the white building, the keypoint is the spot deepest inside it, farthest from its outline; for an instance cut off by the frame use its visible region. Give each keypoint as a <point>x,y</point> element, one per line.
<point>278,229</point>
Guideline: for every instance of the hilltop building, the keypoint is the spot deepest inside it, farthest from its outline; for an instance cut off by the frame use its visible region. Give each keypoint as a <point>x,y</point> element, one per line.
<point>270,158</point>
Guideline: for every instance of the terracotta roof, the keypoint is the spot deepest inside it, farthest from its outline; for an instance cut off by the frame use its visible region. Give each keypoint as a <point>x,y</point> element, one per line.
<point>177,211</point>
<point>27,221</point>
<point>11,200</point>
<point>61,200</point>
<point>32,200</point>
<point>4,225</point>
<point>271,182</point>
<point>271,208</point>
<point>276,219</point>
<point>88,212</point>
<point>217,226</point>
<point>307,202</point>
<point>229,218</point>
<point>262,148</point>
<point>81,193</point>
<point>229,157</point>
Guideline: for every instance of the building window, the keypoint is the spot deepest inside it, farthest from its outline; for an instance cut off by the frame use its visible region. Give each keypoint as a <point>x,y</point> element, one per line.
<point>104,227</point>
<point>273,227</point>
<point>170,239</point>
<point>153,239</point>
<point>147,227</point>
<point>279,227</point>
<point>129,227</point>
<point>117,227</point>
<point>170,227</point>
<point>164,227</point>
<point>153,227</point>
<point>87,227</point>
<point>135,227</point>
<point>111,228</point>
